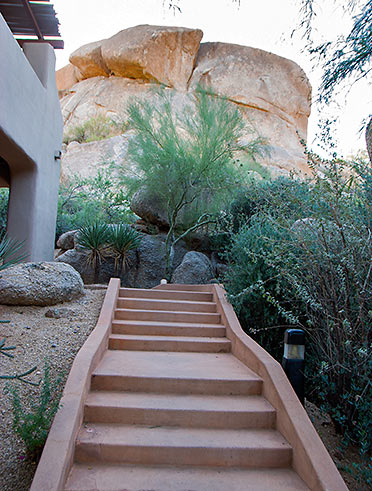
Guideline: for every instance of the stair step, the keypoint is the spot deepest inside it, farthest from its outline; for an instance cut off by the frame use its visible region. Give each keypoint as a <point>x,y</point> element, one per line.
<point>167,316</point>
<point>172,445</point>
<point>166,294</point>
<point>163,478</point>
<point>188,373</point>
<point>155,328</point>
<point>169,305</point>
<point>179,410</point>
<point>173,343</point>
<point>184,288</point>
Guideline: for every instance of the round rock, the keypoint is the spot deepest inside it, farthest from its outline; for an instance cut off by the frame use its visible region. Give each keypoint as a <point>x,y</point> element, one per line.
<point>195,269</point>
<point>45,283</point>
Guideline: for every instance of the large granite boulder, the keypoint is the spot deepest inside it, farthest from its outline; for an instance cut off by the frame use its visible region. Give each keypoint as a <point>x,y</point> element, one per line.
<point>195,269</point>
<point>273,92</point>
<point>100,95</point>
<point>88,59</point>
<point>155,53</point>
<point>255,78</point>
<point>45,283</point>
<point>86,159</point>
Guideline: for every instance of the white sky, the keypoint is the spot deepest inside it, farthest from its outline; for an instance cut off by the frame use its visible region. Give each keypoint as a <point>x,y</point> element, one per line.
<point>264,24</point>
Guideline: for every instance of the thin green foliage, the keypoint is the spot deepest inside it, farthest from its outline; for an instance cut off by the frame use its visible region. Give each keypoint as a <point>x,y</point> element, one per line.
<point>185,157</point>
<point>31,421</point>
<point>99,198</point>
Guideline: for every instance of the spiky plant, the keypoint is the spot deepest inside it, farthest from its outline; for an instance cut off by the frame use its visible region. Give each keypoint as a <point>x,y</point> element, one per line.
<point>94,238</point>
<point>123,239</point>
<point>10,252</point>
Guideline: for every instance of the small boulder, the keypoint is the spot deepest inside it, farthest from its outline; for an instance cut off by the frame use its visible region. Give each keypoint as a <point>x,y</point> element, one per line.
<point>58,313</point>
<point>195,269</point>
<point>67,240</point>
<point>148,207</point>
<point>44,283</point>
<point>156,53</point>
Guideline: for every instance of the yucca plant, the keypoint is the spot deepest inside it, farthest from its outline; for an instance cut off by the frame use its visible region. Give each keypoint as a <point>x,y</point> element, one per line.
<point>94,238</point>
<point>10,252</point>
<point>123,239</point>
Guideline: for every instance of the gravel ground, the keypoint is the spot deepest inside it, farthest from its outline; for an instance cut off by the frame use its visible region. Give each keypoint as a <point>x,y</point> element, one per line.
<point>38,338</point>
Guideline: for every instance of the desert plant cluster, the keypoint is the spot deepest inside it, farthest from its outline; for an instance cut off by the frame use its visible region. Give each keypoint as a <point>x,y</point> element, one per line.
<point>299,255</point>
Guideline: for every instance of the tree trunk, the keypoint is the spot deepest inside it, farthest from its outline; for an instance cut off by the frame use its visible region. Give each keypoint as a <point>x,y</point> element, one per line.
<point>369,139</point>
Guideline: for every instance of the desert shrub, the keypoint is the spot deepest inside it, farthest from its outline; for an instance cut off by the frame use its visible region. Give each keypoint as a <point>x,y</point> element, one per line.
<point>33,414</point>
<point>285,197</point>
<point>99,198</point>
<point>97,128</point>
<point>311,268</point>
<point>101,241</point>
<point>122,239</point>
<point>186,157</point>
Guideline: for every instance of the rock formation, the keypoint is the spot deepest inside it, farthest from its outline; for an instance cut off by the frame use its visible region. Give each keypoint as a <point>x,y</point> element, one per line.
<point>272,92</point>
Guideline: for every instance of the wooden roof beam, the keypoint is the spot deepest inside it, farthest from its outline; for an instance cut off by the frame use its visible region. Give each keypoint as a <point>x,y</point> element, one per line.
<point>33,19</point>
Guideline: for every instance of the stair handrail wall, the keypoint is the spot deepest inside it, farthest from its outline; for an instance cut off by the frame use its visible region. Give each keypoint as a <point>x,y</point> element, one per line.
<point>310,458</point>
<point>58,454</point>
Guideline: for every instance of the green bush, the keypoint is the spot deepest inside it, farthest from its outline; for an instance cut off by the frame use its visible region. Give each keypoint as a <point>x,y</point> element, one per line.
<point>32,421</point>
<point>309,265</point>
<point>95,199</point>
<point>97,128</point>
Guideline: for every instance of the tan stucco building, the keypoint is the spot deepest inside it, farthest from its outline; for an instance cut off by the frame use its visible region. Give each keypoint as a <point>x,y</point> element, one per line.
<point>30,140</point>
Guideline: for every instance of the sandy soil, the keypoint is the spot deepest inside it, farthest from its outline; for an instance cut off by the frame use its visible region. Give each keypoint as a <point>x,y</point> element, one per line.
<point>57,340</point>
<point>38,338</point>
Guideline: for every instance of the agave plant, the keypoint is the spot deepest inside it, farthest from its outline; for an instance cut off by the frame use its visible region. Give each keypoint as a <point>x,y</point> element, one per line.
<point>94,238</point>
<point>10,252</point>
<point>123,239</point>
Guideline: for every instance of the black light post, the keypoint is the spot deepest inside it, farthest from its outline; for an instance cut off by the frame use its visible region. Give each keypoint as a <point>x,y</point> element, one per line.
<point>294,360</point>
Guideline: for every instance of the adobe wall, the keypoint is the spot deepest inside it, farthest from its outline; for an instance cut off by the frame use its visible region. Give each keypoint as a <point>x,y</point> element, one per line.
<point>30,137</point>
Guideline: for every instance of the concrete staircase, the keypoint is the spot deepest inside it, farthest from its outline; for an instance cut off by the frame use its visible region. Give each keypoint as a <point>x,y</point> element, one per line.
<point>170,408</point>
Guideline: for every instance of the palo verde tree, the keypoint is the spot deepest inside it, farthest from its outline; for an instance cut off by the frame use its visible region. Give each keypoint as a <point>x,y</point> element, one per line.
<point>185,157</point>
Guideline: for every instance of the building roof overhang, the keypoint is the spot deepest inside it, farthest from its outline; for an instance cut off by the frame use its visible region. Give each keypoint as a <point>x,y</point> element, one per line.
<point>32,21</point>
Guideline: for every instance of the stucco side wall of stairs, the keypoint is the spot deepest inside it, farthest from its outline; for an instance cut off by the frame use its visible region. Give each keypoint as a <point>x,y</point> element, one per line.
<point>170,334</point>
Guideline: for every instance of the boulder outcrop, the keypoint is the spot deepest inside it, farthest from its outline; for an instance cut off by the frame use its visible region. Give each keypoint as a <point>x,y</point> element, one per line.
<point>156,53</point>
<point>272,92</point>
<point>45,283</point>
<point>88,59</point>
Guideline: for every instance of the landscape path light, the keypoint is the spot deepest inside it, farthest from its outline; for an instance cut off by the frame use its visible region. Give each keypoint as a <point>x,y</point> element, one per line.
<point>294,360</point>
